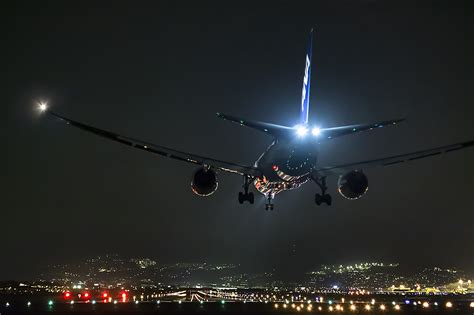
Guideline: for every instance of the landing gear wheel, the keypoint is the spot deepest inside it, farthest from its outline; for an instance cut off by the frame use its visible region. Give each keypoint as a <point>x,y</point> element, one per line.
<point>326,198</point>
<point>318,199</point>
<point>269,204</point>
<point>245,195</point>
<point>251,198</point>
<point>323,197</point>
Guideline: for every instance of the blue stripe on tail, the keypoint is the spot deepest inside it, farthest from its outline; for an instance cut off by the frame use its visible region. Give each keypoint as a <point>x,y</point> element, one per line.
<point>306,82</point>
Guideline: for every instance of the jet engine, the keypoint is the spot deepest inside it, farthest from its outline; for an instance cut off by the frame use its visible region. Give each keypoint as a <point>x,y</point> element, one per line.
<point>204,182</point>
<point>353,185</point>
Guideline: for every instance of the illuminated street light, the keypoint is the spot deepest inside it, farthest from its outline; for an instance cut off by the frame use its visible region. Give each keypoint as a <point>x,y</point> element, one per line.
<point>352,307</point>
<point>397,307</point>
<point>382,307</point>
<point>367,307</point>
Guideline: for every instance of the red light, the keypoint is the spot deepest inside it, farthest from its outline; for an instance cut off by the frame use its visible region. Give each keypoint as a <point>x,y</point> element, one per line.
<point>104,294</point>
<point>67,295</point>
<point>275,168</point>
<point>124,297</point>
<point>86,295</point>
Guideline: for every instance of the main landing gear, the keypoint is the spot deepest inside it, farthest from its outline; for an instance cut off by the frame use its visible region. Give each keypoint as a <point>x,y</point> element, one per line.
<point>246,195</point>
<point>323,197</point>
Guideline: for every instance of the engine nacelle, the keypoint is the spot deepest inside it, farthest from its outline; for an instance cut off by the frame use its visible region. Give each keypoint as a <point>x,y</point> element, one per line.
<point>204,182</point>
<point>353,185</point>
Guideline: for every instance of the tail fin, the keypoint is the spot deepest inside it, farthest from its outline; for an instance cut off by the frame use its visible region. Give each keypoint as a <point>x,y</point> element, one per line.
<point>306,82</point>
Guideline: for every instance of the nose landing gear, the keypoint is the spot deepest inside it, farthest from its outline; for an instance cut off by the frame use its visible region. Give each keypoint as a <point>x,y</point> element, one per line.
<point>246,195</point>
<point>323,197</point>
<point>269,204</point>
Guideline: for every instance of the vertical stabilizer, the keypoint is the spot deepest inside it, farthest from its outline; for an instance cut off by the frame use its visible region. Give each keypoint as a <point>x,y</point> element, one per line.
<point>306,81</point>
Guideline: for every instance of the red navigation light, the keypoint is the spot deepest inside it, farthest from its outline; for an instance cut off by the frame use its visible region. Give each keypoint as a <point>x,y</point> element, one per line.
<point>67,295</point>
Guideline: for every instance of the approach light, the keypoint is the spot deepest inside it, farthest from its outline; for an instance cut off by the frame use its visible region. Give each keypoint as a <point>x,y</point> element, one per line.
<point>43,107</point>
<point>316,131</point>
<point>301,130</point>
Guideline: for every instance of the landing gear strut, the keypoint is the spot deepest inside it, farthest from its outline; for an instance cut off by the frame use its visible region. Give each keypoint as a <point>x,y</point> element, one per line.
<point>246,195</point>
<point>323,197</point>
<point>269,204</point>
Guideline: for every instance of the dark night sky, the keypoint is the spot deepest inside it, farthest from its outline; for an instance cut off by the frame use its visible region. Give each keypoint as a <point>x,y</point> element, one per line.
<point>159,71</point>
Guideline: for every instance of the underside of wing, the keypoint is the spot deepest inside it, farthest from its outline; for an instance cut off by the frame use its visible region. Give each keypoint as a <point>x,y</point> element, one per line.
<point>164,151</point>
<point>392,160</point>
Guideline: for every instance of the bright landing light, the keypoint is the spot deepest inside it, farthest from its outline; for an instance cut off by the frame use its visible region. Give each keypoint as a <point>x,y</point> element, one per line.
<point>316,131</point>
<point>301,131</point>
<point>43,107</point>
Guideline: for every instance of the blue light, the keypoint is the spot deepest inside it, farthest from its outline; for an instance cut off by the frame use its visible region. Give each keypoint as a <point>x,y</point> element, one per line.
<point>407,301</point>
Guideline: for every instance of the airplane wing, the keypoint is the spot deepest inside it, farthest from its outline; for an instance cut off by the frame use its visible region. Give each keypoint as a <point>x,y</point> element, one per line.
<point>391,160</point>
<point>164,151</point>
<point>334,132</point>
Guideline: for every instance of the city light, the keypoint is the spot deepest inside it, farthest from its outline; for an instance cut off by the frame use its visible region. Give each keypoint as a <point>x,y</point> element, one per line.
<point>426,304</point>
<point>320,308</point>
<point>367,307</point>
<point>331,308</point>
<point>7,304</point>
<point>276,305</point>
<point>28,304</point>
<point>50,302</point>
<point>382,307</point>
<point>72,302</point>
<point>449,304</point>
<point>298,308</point>
<point>397,307</point>
<point>93,302</point>
<point>352,307</point>
<point>471,305</point>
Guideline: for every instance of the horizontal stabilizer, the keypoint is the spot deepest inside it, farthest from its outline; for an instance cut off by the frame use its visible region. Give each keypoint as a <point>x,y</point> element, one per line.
<point>272,129</point>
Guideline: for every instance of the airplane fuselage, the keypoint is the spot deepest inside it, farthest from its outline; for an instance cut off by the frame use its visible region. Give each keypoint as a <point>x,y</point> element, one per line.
<point>285,165</point>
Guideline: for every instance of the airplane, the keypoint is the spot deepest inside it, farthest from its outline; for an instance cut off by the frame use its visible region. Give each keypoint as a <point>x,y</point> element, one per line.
<point>289,162</point>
